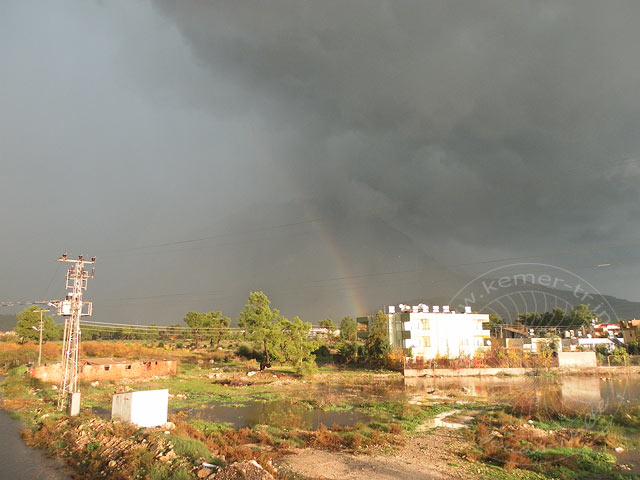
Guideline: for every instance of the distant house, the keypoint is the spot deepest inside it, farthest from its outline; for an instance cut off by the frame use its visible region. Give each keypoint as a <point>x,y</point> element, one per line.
<point>431,332</point>
<point>592,343</point>
<point>630,330</point>
<point>606,329</point>
<point>320,331</point>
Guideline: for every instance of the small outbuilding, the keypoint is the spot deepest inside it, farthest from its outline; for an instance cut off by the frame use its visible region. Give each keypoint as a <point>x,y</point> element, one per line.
<point>108,369</point>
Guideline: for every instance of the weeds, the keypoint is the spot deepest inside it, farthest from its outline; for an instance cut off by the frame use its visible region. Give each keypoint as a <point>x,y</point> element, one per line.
<point>503,439</point>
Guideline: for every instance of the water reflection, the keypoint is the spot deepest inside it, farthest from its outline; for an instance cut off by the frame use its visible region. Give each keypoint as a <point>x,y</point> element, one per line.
<point>280,413</point>
<point>580,393</point>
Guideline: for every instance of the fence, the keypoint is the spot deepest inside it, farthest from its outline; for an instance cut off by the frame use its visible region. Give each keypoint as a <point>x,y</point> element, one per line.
<point>503,358</point>
<point>618,360</point>
<point>512,358</point>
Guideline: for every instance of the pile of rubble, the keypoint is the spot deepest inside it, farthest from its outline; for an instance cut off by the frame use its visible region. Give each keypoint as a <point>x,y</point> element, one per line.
<point>246,470</point>
<point>111,449</point>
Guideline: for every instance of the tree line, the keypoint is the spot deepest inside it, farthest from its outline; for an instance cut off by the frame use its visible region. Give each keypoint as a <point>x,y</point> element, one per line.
<point>273,336</point>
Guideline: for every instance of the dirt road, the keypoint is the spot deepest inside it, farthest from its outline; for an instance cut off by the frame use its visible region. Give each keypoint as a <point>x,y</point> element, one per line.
<point>428,457</point>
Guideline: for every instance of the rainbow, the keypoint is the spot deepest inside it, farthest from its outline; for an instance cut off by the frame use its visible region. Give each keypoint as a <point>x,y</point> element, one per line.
<point>356,302</point>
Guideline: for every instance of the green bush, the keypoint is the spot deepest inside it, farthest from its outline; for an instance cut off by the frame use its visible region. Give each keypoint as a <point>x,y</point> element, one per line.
<point>249,352</point>
<point>347,352</point>
<point>576,459</point>
<point>188,447</point>
<point>322,351</point>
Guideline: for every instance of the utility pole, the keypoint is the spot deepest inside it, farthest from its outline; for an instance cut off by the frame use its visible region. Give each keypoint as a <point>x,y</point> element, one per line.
<point>72,308</point>
<point>42,310</point>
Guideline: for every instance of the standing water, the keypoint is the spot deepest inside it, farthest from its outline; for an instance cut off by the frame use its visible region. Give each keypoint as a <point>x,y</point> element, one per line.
<point>17,461</point>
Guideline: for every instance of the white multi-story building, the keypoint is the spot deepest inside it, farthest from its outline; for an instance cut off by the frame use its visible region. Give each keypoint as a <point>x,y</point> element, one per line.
<point>431,332</point>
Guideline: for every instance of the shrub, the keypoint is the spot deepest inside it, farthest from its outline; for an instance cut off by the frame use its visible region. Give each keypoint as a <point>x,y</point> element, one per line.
<point>322,351</point>
<point>347,352</point>
<point>191,448</point>
<point>249,352</point>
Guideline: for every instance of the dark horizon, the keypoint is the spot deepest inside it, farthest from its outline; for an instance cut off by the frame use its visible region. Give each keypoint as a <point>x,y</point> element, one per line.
<point>335,156</point>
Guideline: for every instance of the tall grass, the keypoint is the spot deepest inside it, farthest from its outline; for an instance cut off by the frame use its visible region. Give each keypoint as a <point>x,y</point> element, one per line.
<point>15,354</point>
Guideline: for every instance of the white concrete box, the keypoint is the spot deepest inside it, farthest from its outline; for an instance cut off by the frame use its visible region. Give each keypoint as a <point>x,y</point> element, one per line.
<point>145,409</point>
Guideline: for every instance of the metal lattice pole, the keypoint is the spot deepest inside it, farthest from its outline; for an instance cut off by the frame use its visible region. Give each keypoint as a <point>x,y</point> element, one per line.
<point>72,308</point>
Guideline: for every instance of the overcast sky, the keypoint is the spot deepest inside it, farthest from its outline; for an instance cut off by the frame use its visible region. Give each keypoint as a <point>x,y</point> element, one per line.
<point>202,150</point>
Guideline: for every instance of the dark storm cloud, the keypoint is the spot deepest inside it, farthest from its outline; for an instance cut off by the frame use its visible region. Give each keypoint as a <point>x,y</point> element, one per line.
<point>486,125</point>
<point>420,132</point>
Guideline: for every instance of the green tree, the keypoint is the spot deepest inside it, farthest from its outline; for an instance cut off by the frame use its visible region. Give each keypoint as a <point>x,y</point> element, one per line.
<point>128,333</point>
<point>376,344</point>
<point>555,318</point>
<point>494,325</point>
<point>261,324</point>
<point>292,345</point>
<point>152,333</point>
<point>28,325</point>
<point>581,316</point>
<point>220,325</point>
<point>347,351</point>
<point>196,321</point>
<point>348,329</point>
<point>328,324</point>
<point>286,341</point>
<point>213,326</point>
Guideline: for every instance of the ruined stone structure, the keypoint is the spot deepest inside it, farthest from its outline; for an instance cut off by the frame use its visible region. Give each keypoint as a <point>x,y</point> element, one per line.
<point>108,369</point>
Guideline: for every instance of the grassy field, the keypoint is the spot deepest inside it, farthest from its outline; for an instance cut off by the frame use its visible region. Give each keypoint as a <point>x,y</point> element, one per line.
<point>378,419</point>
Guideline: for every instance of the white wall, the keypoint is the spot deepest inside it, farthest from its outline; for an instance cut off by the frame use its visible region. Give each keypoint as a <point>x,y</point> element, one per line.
<point>145,409</point>
<point>451,335</point>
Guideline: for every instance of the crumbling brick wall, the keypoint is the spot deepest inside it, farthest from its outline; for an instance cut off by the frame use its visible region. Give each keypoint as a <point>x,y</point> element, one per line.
<point>108,371</point>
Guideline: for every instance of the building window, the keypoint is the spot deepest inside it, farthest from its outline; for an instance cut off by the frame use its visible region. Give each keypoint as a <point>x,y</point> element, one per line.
<point>107,367</point>
<point>426,342</point>
<point>424,323</point>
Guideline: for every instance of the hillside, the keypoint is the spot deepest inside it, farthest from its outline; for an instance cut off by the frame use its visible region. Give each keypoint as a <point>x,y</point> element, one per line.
<point>537,298</point>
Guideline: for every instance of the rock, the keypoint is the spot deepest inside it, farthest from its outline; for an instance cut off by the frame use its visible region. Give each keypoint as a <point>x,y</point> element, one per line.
<point>203,473</point>
<point>54,387</point>
<point>618,449</point>
<point>246,470</point>
<point>169,426</point>
<point>251,374</point>
<point>170,455</point>
<point>95,384</point>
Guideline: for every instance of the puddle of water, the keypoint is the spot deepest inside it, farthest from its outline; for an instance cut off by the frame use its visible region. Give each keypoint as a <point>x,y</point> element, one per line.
<point>440,420</point>
<point>630,458</point>
<point>19,461</point>
<point>282,413</point>
<point>583,394</point>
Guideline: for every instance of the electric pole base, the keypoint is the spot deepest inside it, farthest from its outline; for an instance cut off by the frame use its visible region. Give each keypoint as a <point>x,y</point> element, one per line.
<point>74,404</point>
